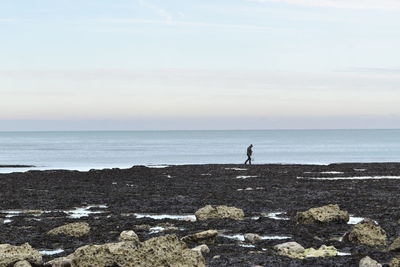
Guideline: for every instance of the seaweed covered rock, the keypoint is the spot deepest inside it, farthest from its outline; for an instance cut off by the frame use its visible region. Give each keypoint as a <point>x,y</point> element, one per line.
<point>252,237</point>
<point>22,264</point>
<point>395,262</point>
<point>219,212</point>
<point>10,255</point>
<point>129,236</point>
<point>159,251</point>
<point>203,249</point>
<point>325,214</point>
<point>368,262</point>
<point>201,237</point>
<point>395,246</point>
<point>367,232</point>
<point>296,251</point>
<point>72,229</point>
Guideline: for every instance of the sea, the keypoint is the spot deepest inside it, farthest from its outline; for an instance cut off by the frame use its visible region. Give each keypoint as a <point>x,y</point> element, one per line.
<point>123,149</point>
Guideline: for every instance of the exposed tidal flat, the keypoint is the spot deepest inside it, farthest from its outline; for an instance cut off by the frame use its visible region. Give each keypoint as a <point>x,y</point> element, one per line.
<point>161,201</point>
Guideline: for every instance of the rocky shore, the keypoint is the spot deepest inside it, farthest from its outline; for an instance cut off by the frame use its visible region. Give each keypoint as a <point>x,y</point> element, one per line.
<point>203,215</point>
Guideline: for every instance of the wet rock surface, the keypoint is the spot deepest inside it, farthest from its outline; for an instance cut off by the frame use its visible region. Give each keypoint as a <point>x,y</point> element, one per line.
<point>112,197</point>
<point>72,229</point>
<point>326,214</point>
<point>10,255</point>
<point>367,232</point>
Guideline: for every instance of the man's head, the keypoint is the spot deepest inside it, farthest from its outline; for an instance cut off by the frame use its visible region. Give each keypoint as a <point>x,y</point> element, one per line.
<point>251,145</point>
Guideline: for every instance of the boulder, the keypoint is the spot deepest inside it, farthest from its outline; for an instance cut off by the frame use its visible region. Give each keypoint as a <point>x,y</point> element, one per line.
<point>289,249</point>
<point>203,249</point>
<point>23,264</point>
<point>252,237</point>
<point>296,251</point>
<point>72,229</point>
<point>395,262</point>
<point>368,262</point>
<point>367,232</point>
<point>10,255</point>
<point>325,214</point>
<point>159,251</point>
<point>395,246</point>
<point>219,212</point>
<point>129,236</point>
<point>201,237</point>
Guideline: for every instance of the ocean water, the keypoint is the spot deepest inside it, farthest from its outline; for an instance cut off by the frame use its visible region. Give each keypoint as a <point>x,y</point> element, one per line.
<point>87,150</point>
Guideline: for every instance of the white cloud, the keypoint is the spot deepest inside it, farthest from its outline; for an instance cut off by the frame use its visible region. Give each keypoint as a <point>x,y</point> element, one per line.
<point>181,23</point>
<point>348,4</point>
<point>167,17</point>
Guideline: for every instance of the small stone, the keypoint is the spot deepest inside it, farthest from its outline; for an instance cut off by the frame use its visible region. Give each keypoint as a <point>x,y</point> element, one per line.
<point>203,249</point>
<point>252,237</point>
<point>129,236</point>
<point>201,237</point>
<point>219,212</point>
<point>142,227</point>
<point>22,264</point>
<point>216,257</point>
<point>72,229</point>
<point>395,246</point>
<point>368,262</point>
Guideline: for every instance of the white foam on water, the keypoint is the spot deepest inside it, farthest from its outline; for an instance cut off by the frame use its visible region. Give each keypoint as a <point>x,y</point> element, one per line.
<point>238,237</point>
<point>168,176</point>
<point>156,229</point>
<point>249,189</point>
<point>240,189</point>
<point>157,166</point>
<point>247,246</point>
<point>274,237</point>
<point>51,252</point>
<point>352,178</point>
<point>191,218</point>
<point>7,221</point>
<point>360,170</point>
<point>275,216</point>
<point>206,174</point>
<point>236,169</point>
<point>355,220</point>
<point>343,254</point>
<point>331,172</point>
<point>84,211</point>
<point>246,176</point>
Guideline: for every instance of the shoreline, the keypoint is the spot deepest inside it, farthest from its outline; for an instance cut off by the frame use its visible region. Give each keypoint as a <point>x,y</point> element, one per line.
<point>113,200</point>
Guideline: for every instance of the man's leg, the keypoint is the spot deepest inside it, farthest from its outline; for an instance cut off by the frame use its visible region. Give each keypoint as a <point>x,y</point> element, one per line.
<point>249,160</point>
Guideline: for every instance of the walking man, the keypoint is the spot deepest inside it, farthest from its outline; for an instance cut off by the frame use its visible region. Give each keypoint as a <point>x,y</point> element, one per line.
<point>249,153</point>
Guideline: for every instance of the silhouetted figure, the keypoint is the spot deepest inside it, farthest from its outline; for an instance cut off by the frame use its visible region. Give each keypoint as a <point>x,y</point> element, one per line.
<point>249,153</point>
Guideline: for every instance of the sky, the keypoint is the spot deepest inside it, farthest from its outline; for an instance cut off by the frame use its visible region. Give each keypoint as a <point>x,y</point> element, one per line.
<point>210,64</point>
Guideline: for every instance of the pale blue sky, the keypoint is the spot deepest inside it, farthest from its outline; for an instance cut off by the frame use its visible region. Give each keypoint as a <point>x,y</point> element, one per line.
<point>226,64</point>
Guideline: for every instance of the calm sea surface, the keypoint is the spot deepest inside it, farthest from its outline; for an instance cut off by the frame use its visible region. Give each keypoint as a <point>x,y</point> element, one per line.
<point>86,150</point>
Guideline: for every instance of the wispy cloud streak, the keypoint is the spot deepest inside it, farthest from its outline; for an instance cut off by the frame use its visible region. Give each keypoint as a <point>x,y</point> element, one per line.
<point>388,5</point>
<point>167,17</point>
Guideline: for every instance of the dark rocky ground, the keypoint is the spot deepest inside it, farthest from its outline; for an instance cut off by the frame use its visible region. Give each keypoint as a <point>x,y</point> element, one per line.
<point>184,189</point>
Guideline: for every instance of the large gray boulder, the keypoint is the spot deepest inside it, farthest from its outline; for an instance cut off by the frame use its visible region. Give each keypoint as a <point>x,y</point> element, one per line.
<point>368,262</point>
<point>201,237</point>
<point>159,251</point>
<point>72,229</point>
<point>10,255</point>
<point>219,212</point>
<point>367,232</point>
<point>325,214</point>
